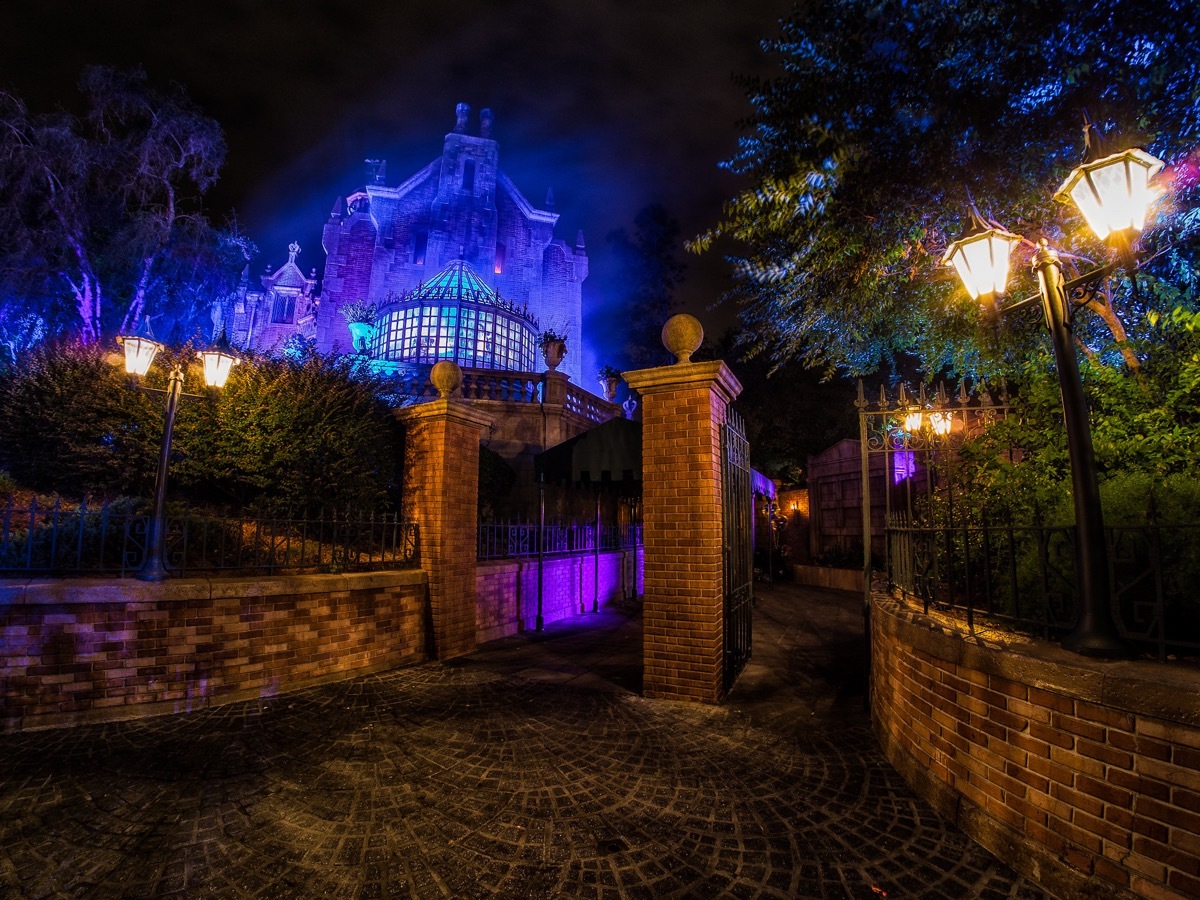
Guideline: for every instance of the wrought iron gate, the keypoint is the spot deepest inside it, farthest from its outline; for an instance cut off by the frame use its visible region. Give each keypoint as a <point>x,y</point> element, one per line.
<point>736,511</point>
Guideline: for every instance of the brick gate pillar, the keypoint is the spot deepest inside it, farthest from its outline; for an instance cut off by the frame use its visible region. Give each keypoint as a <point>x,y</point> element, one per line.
<point>683,408</point>
<point>441,494</point>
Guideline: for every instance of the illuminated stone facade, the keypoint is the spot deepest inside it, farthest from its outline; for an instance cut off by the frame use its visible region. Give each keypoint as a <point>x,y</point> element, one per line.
<point>385,243</point>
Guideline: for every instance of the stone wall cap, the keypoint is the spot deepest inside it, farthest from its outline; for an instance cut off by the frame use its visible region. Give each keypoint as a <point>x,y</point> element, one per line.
<point>454,410</point>
<point>684,375</point>
<point>97,591</point>
<point>66,591</point>
<point>1162,690</point>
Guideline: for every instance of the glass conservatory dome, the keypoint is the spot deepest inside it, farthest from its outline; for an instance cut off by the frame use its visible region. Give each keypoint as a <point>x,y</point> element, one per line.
<point>456,316</point>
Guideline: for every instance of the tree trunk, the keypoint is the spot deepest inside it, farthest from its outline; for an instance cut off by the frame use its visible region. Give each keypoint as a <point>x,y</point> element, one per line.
<point>1103,307</point>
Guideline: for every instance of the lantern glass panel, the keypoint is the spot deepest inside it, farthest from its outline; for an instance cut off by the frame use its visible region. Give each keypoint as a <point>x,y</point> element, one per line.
<point>1113,193</point>
<point>139,354</point>
<point>217,366</point>
<point>982,262</point>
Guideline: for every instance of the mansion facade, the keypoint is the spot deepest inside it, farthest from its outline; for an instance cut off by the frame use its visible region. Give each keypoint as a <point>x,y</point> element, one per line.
<point>451,263</point>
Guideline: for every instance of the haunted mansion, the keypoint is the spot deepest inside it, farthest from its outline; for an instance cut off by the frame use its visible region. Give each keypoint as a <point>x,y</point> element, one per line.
<point>451,263</point>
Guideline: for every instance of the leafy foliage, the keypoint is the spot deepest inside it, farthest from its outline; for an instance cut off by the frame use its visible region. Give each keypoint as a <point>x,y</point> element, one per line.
<point>307,433</point>
<point>102,221</point>
<point>860,155</point>
<point>1145,430</point>
<point>358,311</point>
<point>289,434</point>
<point>71,426</point>
<point>496,480</point>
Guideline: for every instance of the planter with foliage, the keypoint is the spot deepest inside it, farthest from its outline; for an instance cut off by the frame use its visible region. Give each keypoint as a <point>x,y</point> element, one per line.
<point>554,348</point>
<point>610,379</point>
<point>360,319</point>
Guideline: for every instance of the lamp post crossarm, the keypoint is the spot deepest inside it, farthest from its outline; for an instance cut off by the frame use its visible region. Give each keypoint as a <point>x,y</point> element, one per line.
<point>166,393</point>
<point>1083,281</point>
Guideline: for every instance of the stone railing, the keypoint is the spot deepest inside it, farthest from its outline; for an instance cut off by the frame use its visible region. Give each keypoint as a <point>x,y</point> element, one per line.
<point>510,387</point>
<point>590,406</point>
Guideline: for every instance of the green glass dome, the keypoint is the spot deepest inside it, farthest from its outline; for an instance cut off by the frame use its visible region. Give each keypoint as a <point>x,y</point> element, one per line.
<point>456,316</point>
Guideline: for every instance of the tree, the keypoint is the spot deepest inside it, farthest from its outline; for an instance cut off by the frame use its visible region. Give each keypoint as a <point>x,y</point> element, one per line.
<point>651,270</point>
<point>102,221</point>
<point>861,153</point>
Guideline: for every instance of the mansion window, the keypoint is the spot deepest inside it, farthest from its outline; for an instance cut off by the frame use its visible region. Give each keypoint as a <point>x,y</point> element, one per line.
<point>283,309</point>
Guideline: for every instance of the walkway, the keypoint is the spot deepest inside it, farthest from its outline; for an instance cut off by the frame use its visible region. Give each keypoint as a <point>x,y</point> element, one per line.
<point>530,769</point>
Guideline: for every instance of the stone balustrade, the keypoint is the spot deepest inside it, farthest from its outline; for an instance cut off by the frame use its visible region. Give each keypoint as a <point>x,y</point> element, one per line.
<point>511,387</point>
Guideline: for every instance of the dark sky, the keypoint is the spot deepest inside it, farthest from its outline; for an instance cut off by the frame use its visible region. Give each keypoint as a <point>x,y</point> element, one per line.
<point>613,103</point>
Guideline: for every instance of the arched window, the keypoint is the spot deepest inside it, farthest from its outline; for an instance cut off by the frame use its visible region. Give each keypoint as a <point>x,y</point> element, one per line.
<point>468,182</point>
<point>500,254</point>
<point>420,245</point>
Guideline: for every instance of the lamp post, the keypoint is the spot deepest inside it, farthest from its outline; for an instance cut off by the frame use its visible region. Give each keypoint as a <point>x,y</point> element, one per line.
<point>140,349</point>
<point>1113,193</point>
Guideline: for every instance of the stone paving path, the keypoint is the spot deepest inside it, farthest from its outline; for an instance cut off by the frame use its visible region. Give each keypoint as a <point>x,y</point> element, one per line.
<point>531,769</point>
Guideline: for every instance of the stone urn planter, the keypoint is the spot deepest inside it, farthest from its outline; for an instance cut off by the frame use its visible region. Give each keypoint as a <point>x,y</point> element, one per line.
<point>360,319</point>
<point>554,348</point>
<point>361,333</point>
<point>610,380</point>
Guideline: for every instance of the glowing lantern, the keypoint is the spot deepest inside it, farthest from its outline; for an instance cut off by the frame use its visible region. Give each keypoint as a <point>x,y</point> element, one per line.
<point>940,422</point>
<point>1113,192</point>
<point>981,258</point>
<point>140,349</point>
<point>217,366</point>
<point>913,419</point>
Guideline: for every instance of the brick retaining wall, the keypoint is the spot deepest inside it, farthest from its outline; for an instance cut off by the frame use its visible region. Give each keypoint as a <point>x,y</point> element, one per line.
<point>1082,774</point>
<point>80,650</point>
<point>506,589</point>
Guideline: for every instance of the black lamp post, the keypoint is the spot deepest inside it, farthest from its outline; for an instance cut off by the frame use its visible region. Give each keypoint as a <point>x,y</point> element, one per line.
<point>140,350</point>
<point>1113,193</point>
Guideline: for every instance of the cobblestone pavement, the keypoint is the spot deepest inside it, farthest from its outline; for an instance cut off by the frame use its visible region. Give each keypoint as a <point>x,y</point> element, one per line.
<point>531,769</point>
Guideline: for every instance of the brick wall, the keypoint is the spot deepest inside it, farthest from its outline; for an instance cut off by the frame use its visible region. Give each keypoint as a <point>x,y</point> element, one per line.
<point>87,650</point>
<point>1082,774</point>
<point>506,590</point>
<point>683,407</point>
<point>441,487</point>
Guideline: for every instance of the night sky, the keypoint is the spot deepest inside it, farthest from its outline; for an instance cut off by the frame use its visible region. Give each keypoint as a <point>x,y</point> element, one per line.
<point>613,104</point>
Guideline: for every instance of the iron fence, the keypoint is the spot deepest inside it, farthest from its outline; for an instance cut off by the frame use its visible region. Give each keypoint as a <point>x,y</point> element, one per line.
<point>83,539</point>
<point>502,540</point>
<point>1024,578</point>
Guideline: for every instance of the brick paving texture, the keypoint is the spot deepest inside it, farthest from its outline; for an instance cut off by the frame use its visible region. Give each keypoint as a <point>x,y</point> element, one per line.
<point>531,768</point>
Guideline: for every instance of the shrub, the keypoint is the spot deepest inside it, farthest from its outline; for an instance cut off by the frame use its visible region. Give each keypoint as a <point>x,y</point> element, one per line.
<point>71,425</point>
<point>292,434</point>
<point>300,434</point>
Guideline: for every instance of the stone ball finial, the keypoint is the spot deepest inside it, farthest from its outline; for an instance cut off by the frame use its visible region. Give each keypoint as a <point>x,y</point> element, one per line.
<point>446,377</point>
<point>461,112</point>
<point>682,335</point>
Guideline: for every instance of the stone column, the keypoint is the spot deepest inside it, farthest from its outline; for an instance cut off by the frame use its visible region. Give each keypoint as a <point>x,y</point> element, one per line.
<point>441,494</point>
<point>554,405</point>
<point>683,408</point>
